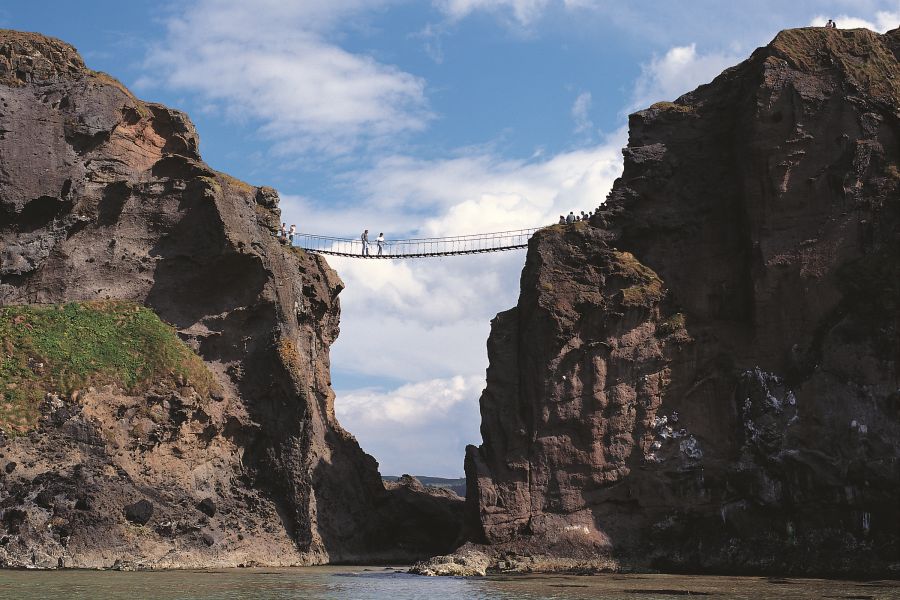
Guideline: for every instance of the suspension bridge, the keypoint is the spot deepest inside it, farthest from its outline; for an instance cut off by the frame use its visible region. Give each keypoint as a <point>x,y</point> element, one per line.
<point>415,247</point>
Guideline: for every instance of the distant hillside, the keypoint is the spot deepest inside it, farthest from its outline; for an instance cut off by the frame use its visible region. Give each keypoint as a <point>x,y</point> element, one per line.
<point>456,485</point>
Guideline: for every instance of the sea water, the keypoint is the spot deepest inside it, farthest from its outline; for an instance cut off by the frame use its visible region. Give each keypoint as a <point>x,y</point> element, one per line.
<point>374,583</point>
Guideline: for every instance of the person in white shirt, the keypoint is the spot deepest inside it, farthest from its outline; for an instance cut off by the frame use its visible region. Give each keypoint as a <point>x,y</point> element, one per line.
<point>380,241</point>
<point>291,233</point>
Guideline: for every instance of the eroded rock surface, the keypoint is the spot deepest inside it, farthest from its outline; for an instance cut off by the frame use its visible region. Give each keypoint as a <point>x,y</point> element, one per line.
<point>706,376</point>
<point>103,196</point>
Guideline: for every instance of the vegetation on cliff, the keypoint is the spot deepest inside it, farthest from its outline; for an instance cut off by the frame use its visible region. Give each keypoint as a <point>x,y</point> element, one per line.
<point>60,349</point>
<point>864,57</point>
<point>647,288</point>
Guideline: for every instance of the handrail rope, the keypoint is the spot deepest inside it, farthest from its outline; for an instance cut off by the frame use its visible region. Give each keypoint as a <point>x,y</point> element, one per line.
<point>466,237</point>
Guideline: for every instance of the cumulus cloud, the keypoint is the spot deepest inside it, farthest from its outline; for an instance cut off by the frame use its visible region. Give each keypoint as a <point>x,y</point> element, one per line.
<point>420,428</point>
<point>473,193</point>
<point>882,21</point>
<point>678,71</point>
<point>524,12</point>
<point>272,63</point>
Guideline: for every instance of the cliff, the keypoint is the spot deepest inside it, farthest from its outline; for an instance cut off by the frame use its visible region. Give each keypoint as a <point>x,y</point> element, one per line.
<point>104,197</point>
<point>705,376</point>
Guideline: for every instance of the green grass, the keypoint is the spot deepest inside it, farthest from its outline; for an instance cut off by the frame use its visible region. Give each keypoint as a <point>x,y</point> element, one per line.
<point>647,288</point>
<point>671,106</point>
<point>862,55</point>
<point>671,325</point>
<point>64,348</point>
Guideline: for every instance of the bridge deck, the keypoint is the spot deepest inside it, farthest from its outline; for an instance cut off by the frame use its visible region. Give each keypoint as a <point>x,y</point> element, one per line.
<point>416,247</point>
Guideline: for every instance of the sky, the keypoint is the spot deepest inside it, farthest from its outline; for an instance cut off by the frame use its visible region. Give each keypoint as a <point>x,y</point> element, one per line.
<point>421,118</point>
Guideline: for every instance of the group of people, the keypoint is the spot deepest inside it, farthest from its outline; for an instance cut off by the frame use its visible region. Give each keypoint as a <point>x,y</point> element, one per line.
<point>830,24</point>
<point>379,241</point>
<point>573,218</point>
<point>287,235</point>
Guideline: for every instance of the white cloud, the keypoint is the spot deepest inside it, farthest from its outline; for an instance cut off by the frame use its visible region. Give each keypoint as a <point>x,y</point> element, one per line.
<point>678,71</point>
<point>420,428</point>
<point>272,63</point>
<point>432,40</point>
<point>883,21</point>
<point>524,12</point>
<point>475,193</point>
<point>581,113</point>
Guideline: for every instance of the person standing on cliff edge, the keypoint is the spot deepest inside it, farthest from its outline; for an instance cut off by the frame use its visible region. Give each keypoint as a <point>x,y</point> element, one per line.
<point>365,242</point>
<point>291,233</point>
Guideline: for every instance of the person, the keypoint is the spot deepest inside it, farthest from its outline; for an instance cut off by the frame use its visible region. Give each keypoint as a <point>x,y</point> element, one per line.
<point>291,234</point>
<point>562,220</point>
<point>365,242</point>
<point>282,233</point>
<point>380,241</point>
<point>570,218</point>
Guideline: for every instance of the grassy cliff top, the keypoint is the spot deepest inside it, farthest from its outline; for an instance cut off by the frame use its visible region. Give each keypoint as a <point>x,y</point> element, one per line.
<point>60,349</point>
<point>865,57</point>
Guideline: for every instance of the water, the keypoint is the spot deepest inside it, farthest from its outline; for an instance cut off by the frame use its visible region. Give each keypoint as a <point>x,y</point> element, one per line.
<point>368,583</point>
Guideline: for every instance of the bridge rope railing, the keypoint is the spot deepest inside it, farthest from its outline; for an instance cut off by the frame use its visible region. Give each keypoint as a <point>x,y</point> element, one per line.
<point>415,247</point>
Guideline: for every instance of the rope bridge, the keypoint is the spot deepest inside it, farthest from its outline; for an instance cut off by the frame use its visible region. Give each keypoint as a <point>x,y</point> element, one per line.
<point>416,247</point>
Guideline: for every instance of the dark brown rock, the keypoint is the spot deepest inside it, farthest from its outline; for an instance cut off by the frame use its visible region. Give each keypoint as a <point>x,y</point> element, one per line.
<point>140,512</point>
<point>207,506</point>
<point>706,377</point>
<point>44,499</point>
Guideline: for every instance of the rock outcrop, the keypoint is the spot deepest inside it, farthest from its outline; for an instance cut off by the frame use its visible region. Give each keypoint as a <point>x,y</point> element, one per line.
<point>103,196</point>
<point>705,377</point>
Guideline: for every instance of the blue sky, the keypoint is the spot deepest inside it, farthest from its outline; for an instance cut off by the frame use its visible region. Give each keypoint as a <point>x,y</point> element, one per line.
<point>431,117</point>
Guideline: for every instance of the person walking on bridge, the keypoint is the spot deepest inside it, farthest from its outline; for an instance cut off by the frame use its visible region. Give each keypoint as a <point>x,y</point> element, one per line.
<point>365,242</point>
<point>380,241</point>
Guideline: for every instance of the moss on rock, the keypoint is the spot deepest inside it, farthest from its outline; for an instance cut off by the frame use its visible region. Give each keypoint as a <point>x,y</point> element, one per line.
<point>60,349</point>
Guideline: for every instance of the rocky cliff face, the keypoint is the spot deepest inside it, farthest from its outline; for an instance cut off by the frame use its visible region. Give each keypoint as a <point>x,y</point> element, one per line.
<point>705,377</point>
<point>103,196</point>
